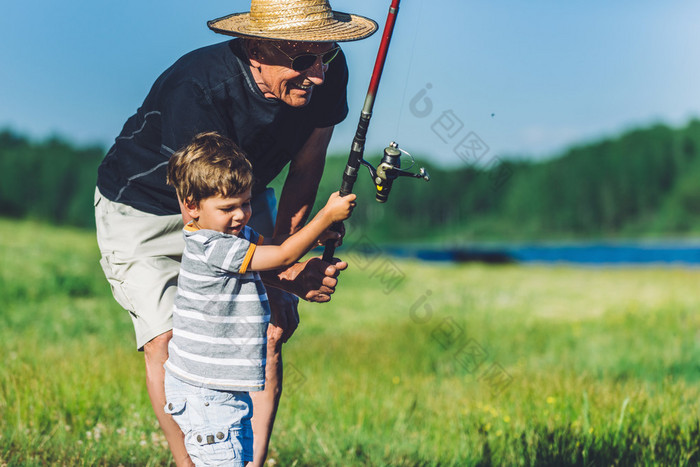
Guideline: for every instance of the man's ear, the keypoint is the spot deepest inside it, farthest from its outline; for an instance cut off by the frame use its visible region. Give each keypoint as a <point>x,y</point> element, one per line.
<point>255,52</point>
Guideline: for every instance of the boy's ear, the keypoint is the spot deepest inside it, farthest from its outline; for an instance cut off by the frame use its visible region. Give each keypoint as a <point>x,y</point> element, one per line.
<point>191,208</point>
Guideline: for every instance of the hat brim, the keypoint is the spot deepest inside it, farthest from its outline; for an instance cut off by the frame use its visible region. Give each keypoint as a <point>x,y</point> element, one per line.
<point>344,28</point>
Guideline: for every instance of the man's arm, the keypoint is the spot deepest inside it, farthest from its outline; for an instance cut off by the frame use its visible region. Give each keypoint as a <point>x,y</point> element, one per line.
<point>300,187</point>
<point>313,280</point>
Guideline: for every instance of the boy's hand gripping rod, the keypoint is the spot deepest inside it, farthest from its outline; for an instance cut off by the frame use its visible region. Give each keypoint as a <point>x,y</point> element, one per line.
<point>390,167</point>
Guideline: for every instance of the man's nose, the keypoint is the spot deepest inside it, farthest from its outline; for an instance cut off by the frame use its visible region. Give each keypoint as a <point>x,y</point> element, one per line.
<point>317,72</point>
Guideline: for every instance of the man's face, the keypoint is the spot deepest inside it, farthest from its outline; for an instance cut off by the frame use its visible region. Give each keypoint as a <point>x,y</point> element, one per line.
<point>275,76</point>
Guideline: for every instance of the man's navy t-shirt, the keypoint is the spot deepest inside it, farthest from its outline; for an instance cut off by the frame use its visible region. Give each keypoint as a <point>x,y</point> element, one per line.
<point>212,89</point>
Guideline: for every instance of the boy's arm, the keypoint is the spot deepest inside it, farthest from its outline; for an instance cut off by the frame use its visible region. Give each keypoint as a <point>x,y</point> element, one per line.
<point>267,257</point>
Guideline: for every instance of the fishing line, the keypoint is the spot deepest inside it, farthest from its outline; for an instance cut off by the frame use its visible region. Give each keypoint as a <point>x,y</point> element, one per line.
<point>389,168</point>
<point>410,67</point>
<point>413,161</point>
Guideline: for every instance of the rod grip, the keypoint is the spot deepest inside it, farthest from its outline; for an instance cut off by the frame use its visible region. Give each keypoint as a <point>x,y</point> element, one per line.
<point>329,250</point>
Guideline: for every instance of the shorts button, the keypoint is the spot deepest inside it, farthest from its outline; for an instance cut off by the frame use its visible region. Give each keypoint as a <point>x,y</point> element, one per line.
<point>199,438</point>
<point>206,404</point>
<point>170,406</point>
<point>220,435</point>
<point>210,439</point>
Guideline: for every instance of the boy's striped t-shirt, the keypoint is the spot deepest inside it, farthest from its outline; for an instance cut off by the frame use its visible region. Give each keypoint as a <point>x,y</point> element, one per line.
<point>221,313</point>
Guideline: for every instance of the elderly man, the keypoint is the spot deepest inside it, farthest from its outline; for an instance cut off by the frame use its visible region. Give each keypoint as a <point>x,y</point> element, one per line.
<point>277,91</point>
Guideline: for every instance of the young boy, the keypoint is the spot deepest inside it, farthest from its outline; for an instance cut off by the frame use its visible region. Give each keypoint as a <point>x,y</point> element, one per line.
<point>217,353</point>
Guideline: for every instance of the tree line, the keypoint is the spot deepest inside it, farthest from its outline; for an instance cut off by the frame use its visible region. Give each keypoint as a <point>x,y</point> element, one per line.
<point>51,180</point>
<point>641,183</point>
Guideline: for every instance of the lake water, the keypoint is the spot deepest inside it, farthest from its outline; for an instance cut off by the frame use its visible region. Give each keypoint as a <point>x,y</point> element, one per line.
<point>682,253</point>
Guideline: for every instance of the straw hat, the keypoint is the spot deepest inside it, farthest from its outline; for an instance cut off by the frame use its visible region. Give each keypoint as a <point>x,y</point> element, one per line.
<point>294,20</point>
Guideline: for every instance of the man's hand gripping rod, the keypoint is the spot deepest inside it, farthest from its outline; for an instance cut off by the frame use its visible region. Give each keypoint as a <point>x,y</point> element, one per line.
<point>389,168</point>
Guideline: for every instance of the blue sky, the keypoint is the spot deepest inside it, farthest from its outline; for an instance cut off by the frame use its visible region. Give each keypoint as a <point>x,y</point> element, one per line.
<point>499,78</point>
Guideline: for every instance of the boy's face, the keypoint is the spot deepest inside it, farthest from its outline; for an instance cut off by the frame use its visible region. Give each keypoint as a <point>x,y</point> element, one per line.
<point>224,214</point>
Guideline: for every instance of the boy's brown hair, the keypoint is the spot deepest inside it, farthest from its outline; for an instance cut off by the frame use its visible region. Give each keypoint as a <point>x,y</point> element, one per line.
<point>209,165</point>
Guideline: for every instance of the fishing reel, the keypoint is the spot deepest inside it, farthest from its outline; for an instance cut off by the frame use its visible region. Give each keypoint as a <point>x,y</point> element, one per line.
<point>389,169</point>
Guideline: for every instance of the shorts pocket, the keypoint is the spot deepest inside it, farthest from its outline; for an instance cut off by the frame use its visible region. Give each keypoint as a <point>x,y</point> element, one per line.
<point>212,435</point>
<point>175,406</point>
<point>216,445</point>
<point>113,271</point>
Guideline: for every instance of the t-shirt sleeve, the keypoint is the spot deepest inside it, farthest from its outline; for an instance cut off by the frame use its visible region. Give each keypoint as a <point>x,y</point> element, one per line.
<point>230,253</point>
<point>330,105</point>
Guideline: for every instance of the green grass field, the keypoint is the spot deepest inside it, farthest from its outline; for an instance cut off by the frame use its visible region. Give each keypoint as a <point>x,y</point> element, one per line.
<point>410,364</point>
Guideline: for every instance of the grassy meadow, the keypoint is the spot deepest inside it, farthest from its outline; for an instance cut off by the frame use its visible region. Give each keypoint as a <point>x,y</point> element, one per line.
<point>410,364</point>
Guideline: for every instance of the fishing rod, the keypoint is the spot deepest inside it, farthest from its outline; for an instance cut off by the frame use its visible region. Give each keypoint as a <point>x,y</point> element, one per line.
<point>389,168</point>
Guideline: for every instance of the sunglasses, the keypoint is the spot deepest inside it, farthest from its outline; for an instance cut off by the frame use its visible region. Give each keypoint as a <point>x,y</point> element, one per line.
<point>304,61</point>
